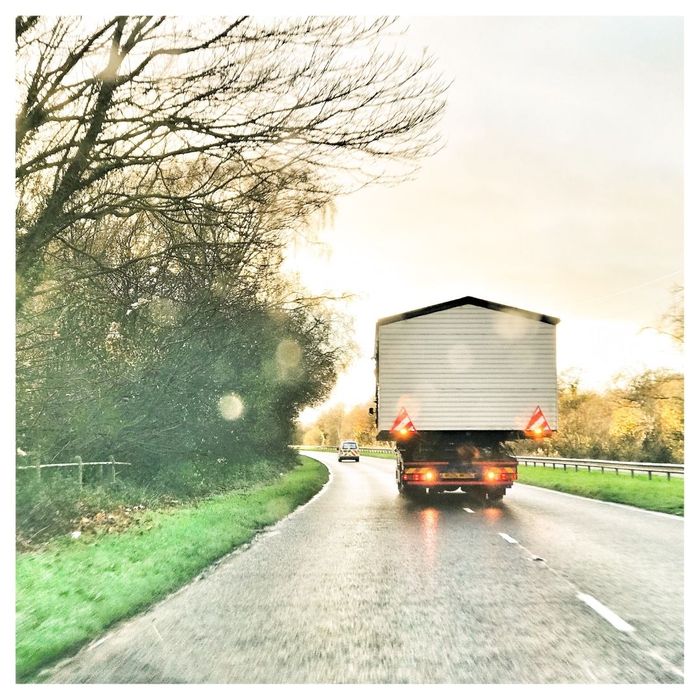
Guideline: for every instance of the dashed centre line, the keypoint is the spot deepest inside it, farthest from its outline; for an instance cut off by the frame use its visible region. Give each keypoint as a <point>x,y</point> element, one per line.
<point>508,538</point>
<point>605,612</point>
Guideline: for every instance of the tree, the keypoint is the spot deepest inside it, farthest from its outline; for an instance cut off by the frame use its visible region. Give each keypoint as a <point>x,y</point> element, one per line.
<point>329,424</point>
<point>640,420</point>
<point>148,384</point>
<point>163,164</point>
<point>338,423</point>
<point>672,323</point>
<point>116,115</point>
<point>658,396</point>
<point>359,425</point>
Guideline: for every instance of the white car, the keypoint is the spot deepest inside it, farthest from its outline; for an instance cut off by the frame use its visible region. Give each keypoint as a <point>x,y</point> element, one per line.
<point>348,449</point>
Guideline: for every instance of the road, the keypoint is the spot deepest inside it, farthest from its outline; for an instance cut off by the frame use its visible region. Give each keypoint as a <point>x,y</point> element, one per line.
<point>362,585</point>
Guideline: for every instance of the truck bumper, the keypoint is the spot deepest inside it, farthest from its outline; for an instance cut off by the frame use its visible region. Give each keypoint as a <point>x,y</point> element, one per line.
<point>463,483</point>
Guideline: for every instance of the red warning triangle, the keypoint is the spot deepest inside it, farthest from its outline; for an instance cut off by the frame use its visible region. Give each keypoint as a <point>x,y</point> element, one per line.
<point>538,426</point>
<point>403,424</point>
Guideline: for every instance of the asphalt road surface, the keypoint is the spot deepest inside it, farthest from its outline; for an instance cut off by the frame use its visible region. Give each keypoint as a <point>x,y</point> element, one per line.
<point>365,586</point>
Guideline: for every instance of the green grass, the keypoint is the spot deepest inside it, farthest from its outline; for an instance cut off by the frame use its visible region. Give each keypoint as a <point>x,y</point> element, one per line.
<point>72,590</point>
<point>657,494</point>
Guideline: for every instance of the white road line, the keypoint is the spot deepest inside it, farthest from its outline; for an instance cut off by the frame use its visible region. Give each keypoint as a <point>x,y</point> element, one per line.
<point>469,510</point>
<point>615,620</point>
<point>155,629</point>
<point>605,612</point>
<point>97,643</point>
<point>666,663</point>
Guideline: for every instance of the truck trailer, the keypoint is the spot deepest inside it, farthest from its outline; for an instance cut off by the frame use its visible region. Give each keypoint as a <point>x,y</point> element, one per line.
<point>455,382</point>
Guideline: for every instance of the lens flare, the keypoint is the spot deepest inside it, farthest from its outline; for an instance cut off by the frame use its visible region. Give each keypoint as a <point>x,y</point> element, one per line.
<point>288,354</point>
<point>230,406</point>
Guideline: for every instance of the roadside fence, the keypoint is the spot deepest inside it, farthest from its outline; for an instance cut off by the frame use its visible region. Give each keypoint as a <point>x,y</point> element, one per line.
<point>112,472</point>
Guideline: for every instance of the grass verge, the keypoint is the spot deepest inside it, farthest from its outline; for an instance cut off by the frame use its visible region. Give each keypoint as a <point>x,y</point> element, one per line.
<point>72,590</point>
<point>657,494</point>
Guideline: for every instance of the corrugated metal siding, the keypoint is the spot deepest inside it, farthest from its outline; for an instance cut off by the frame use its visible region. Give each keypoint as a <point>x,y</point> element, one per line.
<point>467,368</point>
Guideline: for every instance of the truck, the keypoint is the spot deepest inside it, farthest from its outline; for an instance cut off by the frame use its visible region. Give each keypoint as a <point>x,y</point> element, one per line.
<point>457,381</point>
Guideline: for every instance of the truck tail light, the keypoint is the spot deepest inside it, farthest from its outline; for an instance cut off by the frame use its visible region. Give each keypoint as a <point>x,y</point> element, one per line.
<point>429,475</point>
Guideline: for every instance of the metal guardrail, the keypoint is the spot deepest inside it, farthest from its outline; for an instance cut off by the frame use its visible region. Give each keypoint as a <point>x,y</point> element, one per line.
<point>601,465</point>
<point>378,450</point>
<point>80,464</point>
<point>564,463</point>
<point>363,450</point>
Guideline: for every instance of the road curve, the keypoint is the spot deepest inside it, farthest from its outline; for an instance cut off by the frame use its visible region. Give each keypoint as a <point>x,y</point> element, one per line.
<point>365,586</point>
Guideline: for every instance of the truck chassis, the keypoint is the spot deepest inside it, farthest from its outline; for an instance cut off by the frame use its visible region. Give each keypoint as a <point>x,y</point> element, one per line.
<point>479,465</point>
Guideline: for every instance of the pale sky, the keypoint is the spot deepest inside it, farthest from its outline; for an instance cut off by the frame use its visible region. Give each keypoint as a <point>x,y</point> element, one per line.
<point>559,190</point>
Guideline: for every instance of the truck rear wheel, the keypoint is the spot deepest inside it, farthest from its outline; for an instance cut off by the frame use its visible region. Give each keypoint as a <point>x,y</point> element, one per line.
<point>496,494</point>
<point>408,491</point>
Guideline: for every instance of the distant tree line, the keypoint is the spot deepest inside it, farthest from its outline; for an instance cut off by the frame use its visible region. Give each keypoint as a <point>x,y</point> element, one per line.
<point>340,423</point>
<point>638,420</point>
<point>163,166</point>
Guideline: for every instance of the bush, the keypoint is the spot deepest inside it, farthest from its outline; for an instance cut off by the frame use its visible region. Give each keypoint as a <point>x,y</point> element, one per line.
<point>45,508</point>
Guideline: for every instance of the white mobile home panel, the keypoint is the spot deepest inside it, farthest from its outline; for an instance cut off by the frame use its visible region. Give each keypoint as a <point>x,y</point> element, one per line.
<point>467,368</point>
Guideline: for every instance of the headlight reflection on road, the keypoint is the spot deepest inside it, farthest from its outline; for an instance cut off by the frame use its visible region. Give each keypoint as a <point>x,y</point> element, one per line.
<point>429,520</point>
<point>492,514</point>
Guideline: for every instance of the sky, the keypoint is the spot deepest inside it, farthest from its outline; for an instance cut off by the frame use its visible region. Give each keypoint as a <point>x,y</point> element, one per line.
<point>559,189</point>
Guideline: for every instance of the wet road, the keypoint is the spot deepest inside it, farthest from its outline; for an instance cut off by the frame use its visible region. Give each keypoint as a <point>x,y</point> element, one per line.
<point>364,586</point>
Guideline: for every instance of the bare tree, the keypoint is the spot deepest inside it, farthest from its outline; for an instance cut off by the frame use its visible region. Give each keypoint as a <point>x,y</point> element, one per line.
<point>162,165</point>
<point>117,115</point>
<point>672,323</point>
